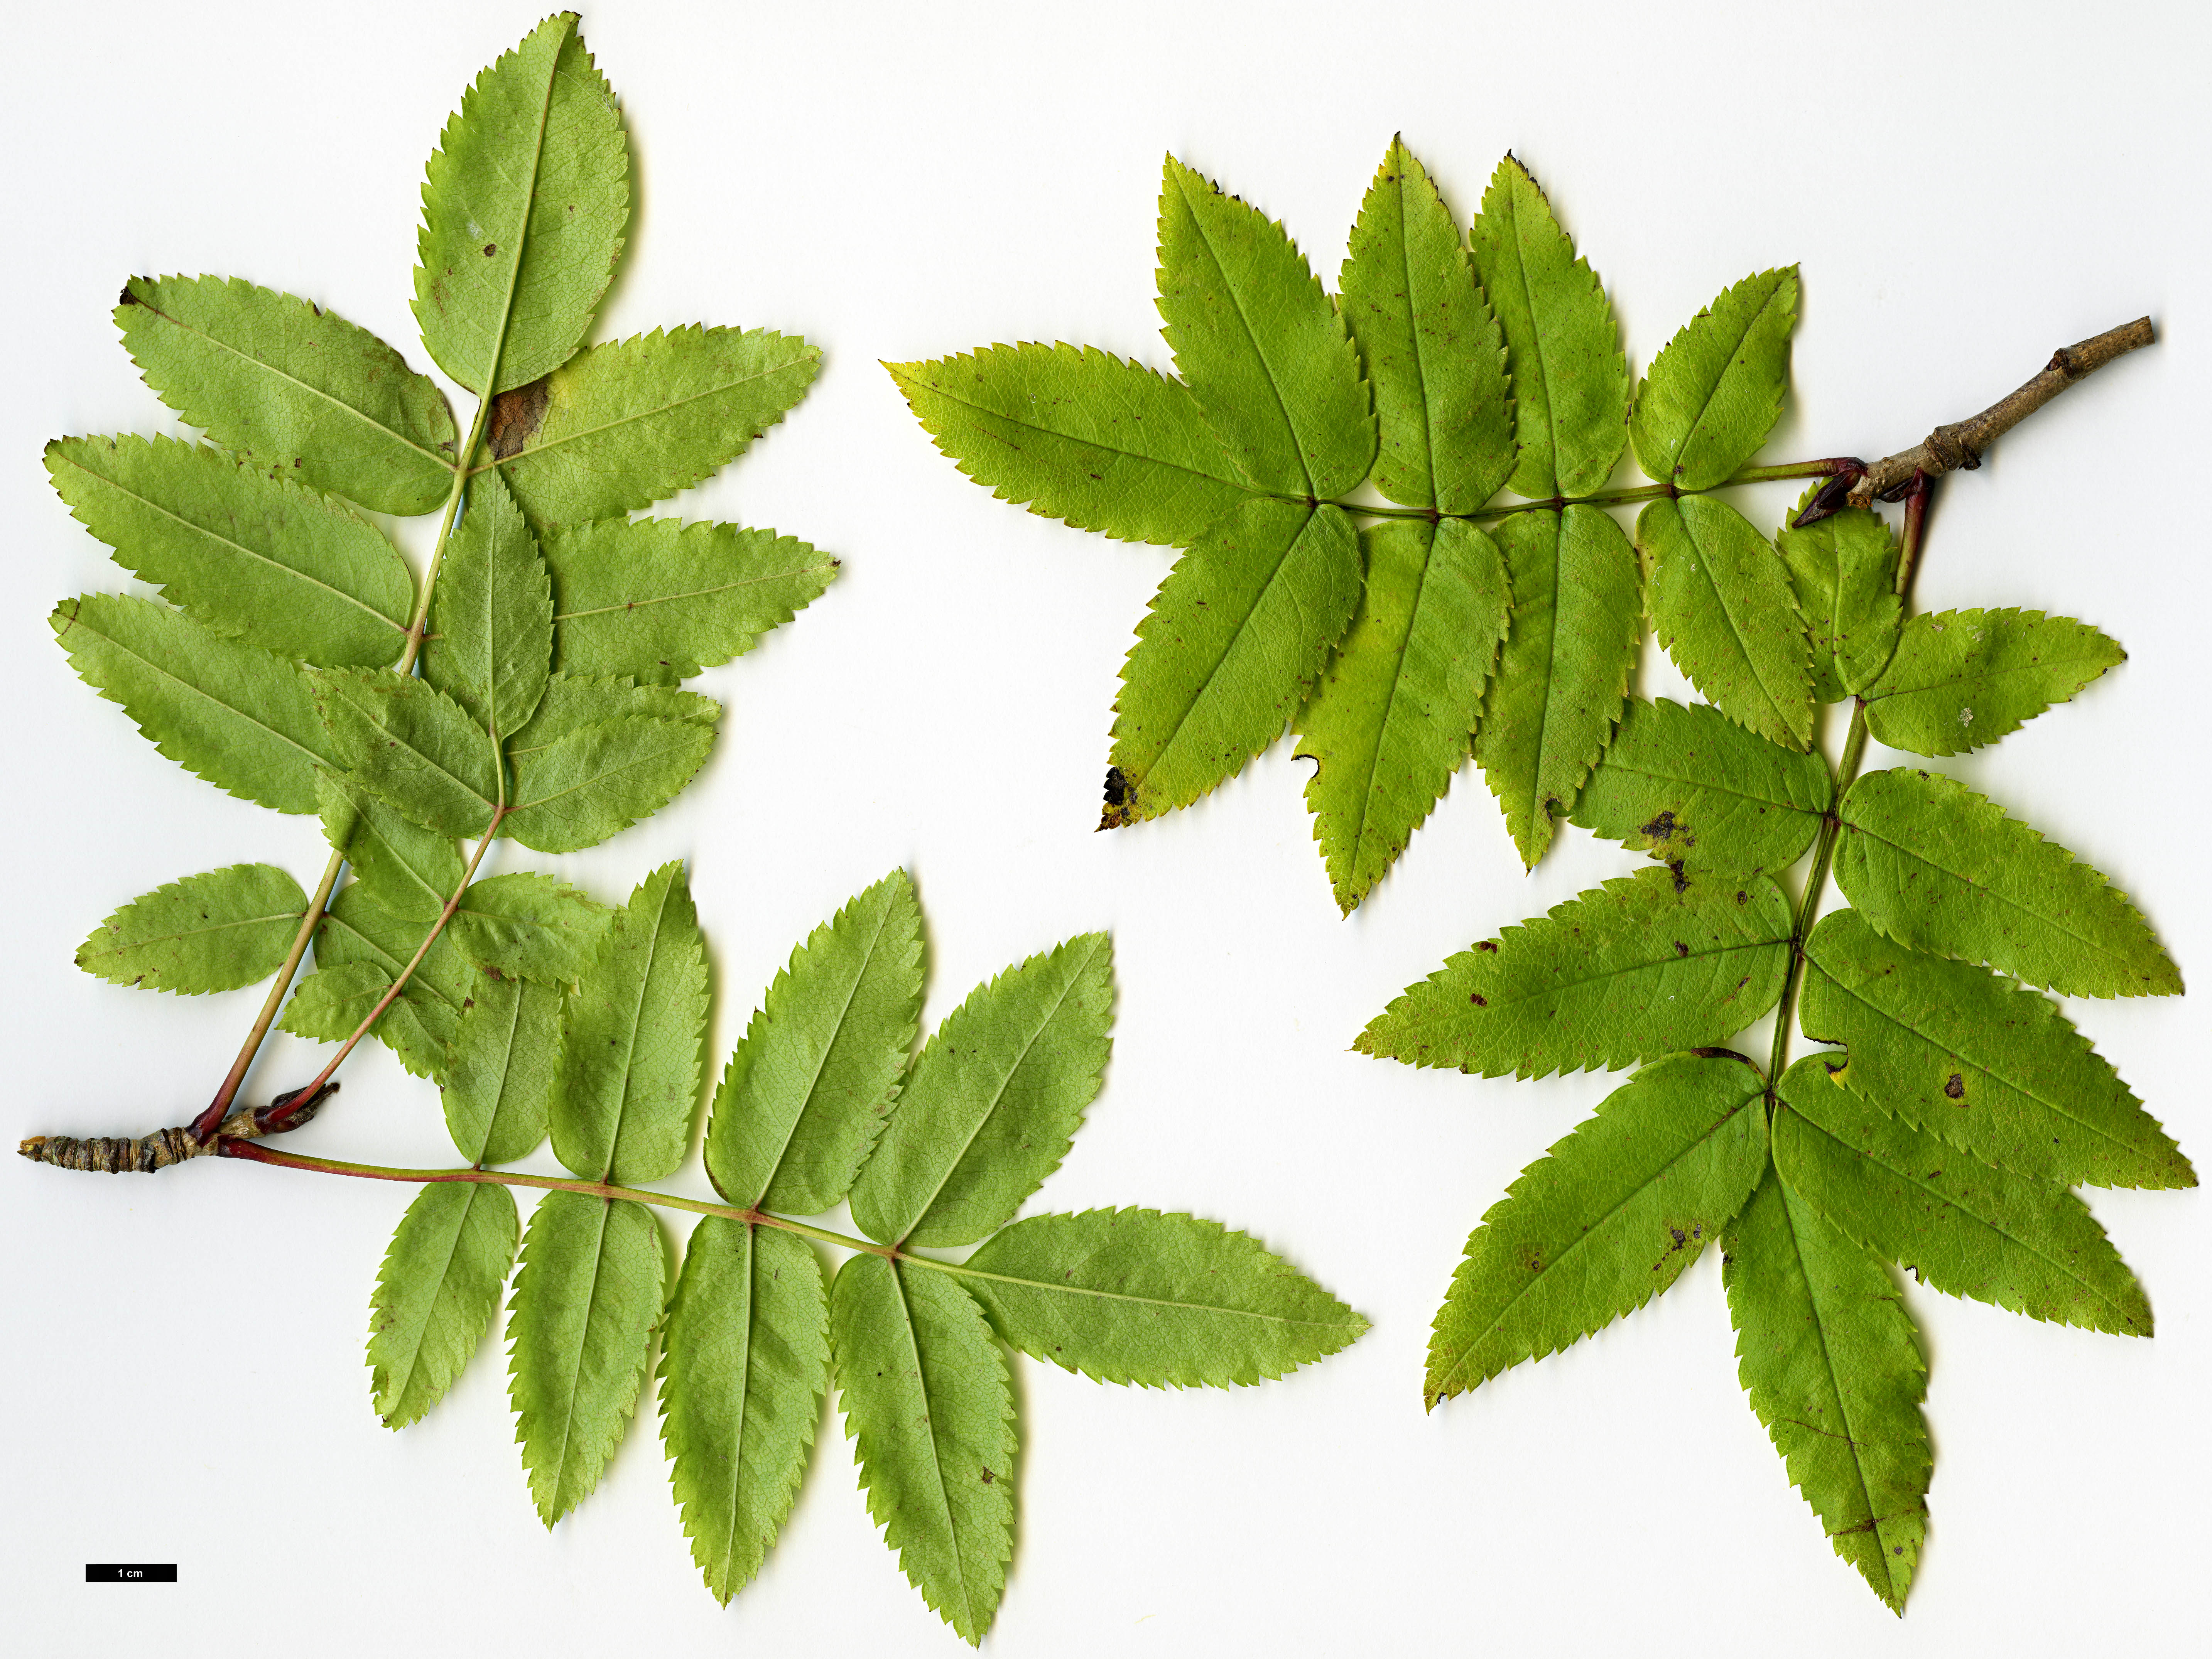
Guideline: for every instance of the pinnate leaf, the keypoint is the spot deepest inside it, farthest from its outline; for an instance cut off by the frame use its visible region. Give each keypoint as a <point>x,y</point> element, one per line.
<point>294,388</point>
<point>1077,434</point>
<point>631,423</point>
<point>744,1367</point>
<point>1645,965</point>
<point>1605,1220</point>
<point>231,713</point>
<point>412,745</point>
<point>806,1091</point>
<point>411,872</point>
<point>1962,678</point>
<point>928,1406</point>
<point>1827,1353</point>
<point>1562,344</point>
<point>493,614</point>
<point>329,1005</point>
<point>436,1294</point>
<point>253,556</point>
<point>1695,790</point>
<point>1134,1296</point>
<point>1435,355</point>
<point>498,1083</point>
<point>523,213</point>
<point>363,935</point>
<point>656,600</point>
<point>584,786</point>
<point>215,931</point>
<point>579,1326</point>
<point>529,925</point>
<point>993,1100</point>
<point>1722,605</point>
<point>1979,1061</point>
<point>1935,865</point>
<point>1844,572</point>
<point>1238,631</point>
<point>1716,390</point>
<point>1569,650</point>
<point>1258,342</point>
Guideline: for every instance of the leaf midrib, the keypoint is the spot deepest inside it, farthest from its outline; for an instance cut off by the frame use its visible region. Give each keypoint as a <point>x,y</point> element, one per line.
<point>692,594</point>
<point>1728,364</point>
<point>964,1270</point>
<point>77,620</point>
<point>148,941</point>
<point>929,1436</point>
<point>657,409</point>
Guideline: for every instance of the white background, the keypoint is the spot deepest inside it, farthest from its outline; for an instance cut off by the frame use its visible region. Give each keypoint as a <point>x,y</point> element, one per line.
<point>1965,187</point>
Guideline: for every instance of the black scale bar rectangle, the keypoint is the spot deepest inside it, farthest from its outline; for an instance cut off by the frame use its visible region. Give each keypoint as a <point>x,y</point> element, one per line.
<point>130,1572</point>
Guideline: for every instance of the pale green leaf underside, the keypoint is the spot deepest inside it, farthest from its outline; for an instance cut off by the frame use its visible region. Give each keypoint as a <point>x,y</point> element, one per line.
<point>1935,865</point>
<point>1077,434</point>
<point>436,1294</point>
<point>1965,1227</point>
<point>1979,1061</point>
<point>1238,631</point>
<point>231,713</point>
<point>633,421</point>
<point>572,702</point>
<point>329,1005</point>
<point>633,1041</point>
<point>412,745</point>
<point>492,614</point>
<point>359,934</point>
<point>1962,678</point>
<point>656,600</point>
<point>255,557</point>
<point>529,925</point>
<point>599,779</point>
<point>498,1084</point>
<point>1722,607</point>
<point>524,207</point>
<point>579,1327</point>
<point>1569,650</point>
<point>1827,1352</point>
<point>1716,390</point>
<point>808,1088</point>
<point>1394,716</point>
<point>1134,1296</point>
<point>294,388</point>
<point>1844,572</point>
<point>1434,354</point>
<point>1644,966</point>
<point>928,1404</point>
<point>1693,789</point>
<point>993,1100</point>
<point>1562,344</point>
<point>1258,342</point>
<point>409,871</point>
<point>1605,1220</point>
<point>215,931</point>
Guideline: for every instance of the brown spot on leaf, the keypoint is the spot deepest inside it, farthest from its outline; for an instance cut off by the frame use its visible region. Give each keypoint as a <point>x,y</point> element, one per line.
<point>129,298</point>
<point>1681,949</point>
<point>1956,1088</point>
<point>1681,881</point>
<point>1663,827</point>
<point>1489,945</point>
<point>515,417</point>
<point>490,248</point>
<point>986,1477</point>
<point>1479,1000</point>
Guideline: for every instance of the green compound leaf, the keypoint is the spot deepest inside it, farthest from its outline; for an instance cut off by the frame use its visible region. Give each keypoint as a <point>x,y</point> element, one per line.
<point>1562,344</point>
<point>1077,434</point>
<point>1644,966</point>
<point>928,1406</point>
<point>657,600</point>
<point>529,925</point>
<point>631,423</point>
<point>1978,1060</point>
<point>993,1100</point>
<point>1962,678</point>
<point>251,556</point>
<point>806,1091</point>
<point>1394,717</point>
<point>498,1084</point>
<point>294,388</point>
<point>1963,1226</point>
<point>1169,1301</point>
<point>632,1041</point>
<point>493,614</point>
<point>1828,1354</point>
<point>1716,391</point>
<point>744,1367</point>
<point>524,208</point>
<point>412,745</point>
<point>1238,631</point>
<point>420,1026</point>
<point>1935,865</point>
<point>596,780</point>
<point>579,1327</point>
<point>1696,791</point>
<point>1844,572</point>
<point>1722,605</point>
<point>1569,651</point>
<point>328,1005</point>
<point>1434,353</point>
<point>225,711</point>
<point>436,1294</point>
<point>409,871</point>
<point>215,931</point>
<point>1258,342</point>
<point>1605,1220</point>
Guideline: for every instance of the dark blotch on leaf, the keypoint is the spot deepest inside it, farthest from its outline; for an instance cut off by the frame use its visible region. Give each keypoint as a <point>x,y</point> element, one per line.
<point>1956,1088</point>
<point>515,417</point>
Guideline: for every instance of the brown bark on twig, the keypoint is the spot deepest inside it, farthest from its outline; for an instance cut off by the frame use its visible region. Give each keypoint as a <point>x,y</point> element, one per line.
<point>114,1155</point>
